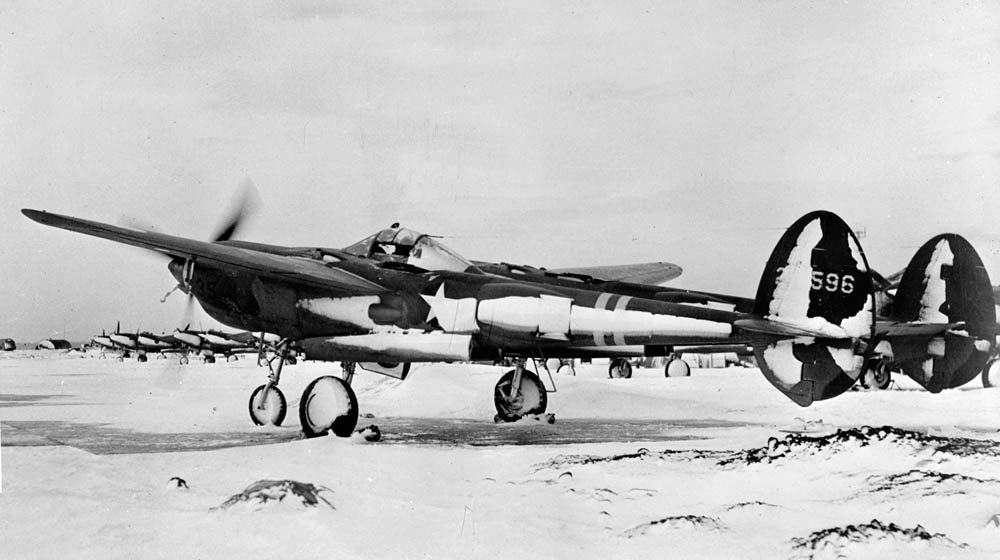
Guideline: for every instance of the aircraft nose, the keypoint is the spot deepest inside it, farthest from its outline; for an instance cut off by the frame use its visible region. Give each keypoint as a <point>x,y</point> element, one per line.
<point>180,270</point>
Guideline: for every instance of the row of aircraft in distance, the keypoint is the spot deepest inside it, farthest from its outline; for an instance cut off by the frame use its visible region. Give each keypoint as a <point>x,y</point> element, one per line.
<point>821,318</point>
<point>209,344</point>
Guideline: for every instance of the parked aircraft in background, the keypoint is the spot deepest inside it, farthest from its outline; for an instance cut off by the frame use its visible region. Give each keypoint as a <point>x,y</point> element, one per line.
<point>139,343</point>
<point>212,343</point>
<point>410,298</point>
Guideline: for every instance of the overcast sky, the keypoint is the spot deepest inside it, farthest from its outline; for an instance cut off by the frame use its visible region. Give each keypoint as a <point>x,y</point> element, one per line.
<point>553,134</point>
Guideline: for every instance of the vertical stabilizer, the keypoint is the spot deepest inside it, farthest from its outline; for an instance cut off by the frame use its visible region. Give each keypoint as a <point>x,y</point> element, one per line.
<point>945,284</point>
<point>816,304</point>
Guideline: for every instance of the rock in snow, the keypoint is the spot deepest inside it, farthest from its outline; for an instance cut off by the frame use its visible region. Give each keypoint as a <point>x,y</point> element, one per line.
<point>270,493</point>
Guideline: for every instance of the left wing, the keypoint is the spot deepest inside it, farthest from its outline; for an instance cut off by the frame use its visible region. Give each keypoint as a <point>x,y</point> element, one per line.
<point>291,269</point>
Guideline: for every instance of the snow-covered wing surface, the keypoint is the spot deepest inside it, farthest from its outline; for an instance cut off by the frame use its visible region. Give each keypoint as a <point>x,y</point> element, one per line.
<point>654,273</point>
<point>302,271</point>
<point>945,287</point>
<point>814,302</point>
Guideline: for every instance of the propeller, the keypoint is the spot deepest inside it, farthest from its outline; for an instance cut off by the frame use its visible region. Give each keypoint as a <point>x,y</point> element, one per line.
<point>245,203</point>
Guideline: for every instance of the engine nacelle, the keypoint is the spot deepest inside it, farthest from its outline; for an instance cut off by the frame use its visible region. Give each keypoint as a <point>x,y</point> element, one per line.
<point>395,346</point>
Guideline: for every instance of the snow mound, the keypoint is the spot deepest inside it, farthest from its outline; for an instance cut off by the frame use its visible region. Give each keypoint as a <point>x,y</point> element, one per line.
<point>751,504</point>
<point>560,461</point>
<point>641,454</point>
<point>675,523</point>
<point>873,540</point>
<point>277,493</point>
<point>798,446</point>
<point>929,483</point>
<point>802,447</point>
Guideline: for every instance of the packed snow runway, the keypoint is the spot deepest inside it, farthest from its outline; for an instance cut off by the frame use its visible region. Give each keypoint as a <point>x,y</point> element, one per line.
<point>121,460</point>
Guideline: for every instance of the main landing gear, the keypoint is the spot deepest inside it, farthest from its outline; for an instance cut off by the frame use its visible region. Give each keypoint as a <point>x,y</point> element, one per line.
<point>519,393</point>
<point>328,403</point>
<point>991,373</point>
<point>620,368</point>
<point>877,375</point>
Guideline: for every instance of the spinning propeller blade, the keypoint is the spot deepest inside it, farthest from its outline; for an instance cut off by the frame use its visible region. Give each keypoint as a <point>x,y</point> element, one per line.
<point>247,202</point>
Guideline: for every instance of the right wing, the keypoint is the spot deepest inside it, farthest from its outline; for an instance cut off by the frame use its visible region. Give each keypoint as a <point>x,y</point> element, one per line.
<point>291,269</point>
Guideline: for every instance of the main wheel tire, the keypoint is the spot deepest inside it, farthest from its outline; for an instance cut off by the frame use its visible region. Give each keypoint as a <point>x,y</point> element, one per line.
<point>531,398</point>
<point>567,369</point>
<point>272,412</point>
<point>209,359</point>
<point>141,358</point>
<point>184,360</point>
<point>620,368</point>
<point>677,368</point>
<point>232,358</point>
<point>876,376</point>
<point>991,374</point>
<point>328,405</point>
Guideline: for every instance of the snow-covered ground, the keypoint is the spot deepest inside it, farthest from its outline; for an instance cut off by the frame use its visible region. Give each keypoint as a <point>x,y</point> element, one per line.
<point>646,467</point>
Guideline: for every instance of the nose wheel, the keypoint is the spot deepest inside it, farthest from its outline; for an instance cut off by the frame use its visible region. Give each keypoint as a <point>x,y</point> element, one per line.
<point>267,403</point>
<point>268,406</point>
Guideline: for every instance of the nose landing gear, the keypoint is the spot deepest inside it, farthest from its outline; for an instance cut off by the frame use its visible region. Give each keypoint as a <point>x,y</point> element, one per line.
<point>267,403</point>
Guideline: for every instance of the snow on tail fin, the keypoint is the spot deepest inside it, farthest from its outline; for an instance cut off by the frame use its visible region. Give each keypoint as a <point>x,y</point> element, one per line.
<point>945,284</point>
<point>814,303</point>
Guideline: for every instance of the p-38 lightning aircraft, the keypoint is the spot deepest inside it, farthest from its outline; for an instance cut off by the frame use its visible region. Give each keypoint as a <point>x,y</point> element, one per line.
<point>412,299</point>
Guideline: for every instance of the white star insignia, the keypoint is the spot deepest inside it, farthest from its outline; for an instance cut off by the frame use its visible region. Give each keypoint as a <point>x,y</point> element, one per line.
<point>454,315</point>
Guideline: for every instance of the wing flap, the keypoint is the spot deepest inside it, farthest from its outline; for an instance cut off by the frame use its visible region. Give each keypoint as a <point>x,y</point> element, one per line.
<point>293,269</point>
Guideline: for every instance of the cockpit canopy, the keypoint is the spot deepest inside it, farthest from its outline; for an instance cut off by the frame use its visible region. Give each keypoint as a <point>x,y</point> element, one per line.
<point>397,246</point>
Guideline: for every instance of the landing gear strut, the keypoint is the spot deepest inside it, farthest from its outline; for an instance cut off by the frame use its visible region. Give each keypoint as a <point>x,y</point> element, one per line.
<point>329,405</point>
<point>519,393</point>
<point>267,402</point>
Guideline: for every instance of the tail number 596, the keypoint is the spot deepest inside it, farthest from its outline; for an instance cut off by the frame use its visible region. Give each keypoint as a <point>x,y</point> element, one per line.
<point>832,282</point>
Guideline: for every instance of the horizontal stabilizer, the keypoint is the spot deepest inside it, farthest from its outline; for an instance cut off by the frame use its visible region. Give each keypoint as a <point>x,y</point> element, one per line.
<point>818,329</point>
<point>897,329</point>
